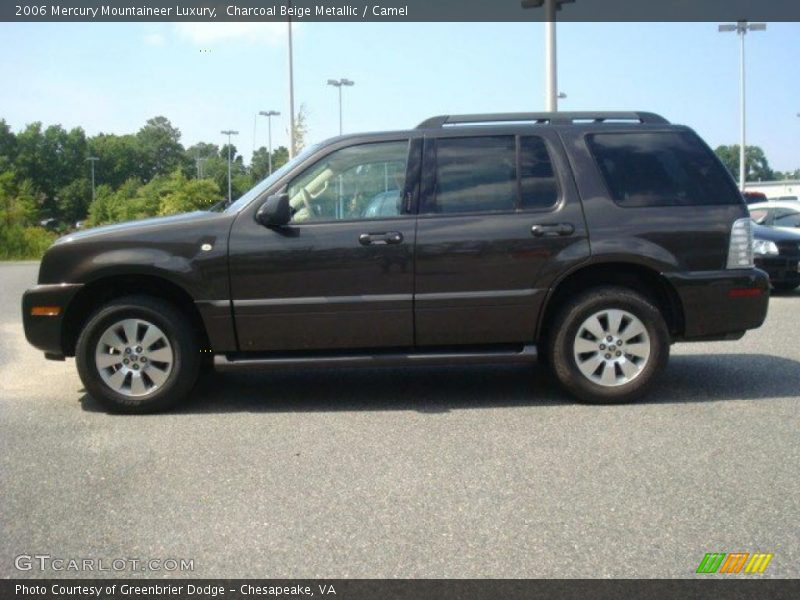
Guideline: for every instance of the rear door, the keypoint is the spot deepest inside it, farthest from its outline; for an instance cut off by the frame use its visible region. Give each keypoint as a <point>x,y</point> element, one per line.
<point>499,218</point>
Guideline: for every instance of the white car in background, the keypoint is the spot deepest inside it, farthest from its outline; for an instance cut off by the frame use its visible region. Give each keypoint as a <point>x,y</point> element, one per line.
<point>781,214</point>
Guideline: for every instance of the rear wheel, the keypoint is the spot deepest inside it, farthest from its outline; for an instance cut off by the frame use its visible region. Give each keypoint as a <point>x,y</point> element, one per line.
<point>608,345</point>
<point>138,354</point>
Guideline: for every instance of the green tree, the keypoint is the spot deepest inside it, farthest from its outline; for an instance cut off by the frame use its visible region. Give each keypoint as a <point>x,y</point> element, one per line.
<point>216,168</point>
<point>161,150</point>
<point>186,195</point>
<point>241,183</point>
<point>259,166</point>
<point>120,159</point>
<point>19,238</point>
<point>112,206</point>
<point>757,165</point>
<point>280,156</point>
<point>51,159</point>
<point>73,200</point>
<point>8,143</point>
<point>17,202</point>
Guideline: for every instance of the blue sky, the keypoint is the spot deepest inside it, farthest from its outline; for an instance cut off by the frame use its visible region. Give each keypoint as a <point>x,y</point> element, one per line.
<point>111,77</point>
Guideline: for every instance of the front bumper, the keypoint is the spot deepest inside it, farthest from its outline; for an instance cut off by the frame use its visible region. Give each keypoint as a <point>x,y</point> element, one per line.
<point>46,332</point>
<point>721,304</point>
<point>781,269</point>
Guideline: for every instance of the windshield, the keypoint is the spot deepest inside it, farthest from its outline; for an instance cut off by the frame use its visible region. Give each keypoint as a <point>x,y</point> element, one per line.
<point>267,182</point>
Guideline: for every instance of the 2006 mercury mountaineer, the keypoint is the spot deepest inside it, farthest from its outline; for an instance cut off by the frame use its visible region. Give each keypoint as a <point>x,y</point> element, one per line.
<point>590,240</point>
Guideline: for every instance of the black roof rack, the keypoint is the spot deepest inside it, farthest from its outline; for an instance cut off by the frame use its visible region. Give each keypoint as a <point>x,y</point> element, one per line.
<point>552,118</point>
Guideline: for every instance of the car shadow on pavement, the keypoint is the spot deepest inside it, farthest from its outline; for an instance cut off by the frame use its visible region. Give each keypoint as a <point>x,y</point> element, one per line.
<point>689,378</point>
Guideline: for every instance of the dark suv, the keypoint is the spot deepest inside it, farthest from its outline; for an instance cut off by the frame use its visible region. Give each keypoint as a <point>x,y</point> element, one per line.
<point>590,240</point>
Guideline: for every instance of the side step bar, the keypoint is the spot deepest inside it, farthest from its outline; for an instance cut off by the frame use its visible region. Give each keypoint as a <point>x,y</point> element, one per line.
<point>243,362</point>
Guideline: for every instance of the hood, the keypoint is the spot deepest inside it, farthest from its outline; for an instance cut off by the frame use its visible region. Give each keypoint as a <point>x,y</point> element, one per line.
<point>775,234</point>
<point>131,226</point>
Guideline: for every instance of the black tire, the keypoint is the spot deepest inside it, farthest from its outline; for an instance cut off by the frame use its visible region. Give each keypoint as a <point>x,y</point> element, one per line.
<point>180,334</point>
<point>784,286</point>
<point>561,351</point>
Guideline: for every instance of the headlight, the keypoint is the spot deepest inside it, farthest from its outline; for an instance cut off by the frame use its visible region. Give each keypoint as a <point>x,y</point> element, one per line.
<point>764,247</point>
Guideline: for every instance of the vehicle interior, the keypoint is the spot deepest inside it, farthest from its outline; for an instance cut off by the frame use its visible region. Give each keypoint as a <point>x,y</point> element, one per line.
<point>358,182</point>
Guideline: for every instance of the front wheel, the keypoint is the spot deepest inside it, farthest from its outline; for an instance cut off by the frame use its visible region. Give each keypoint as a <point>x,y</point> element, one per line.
<point>608,345</point>
<point>137,355</point>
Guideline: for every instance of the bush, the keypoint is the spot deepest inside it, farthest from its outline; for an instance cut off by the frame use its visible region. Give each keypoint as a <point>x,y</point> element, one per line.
<point>18,242</point>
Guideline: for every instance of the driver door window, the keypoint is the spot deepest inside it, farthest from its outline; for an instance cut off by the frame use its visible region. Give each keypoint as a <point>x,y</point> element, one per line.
<point>359,182</point>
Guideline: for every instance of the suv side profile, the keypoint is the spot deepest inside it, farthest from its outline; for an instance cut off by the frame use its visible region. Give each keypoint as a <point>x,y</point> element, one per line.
<point>591,241</point>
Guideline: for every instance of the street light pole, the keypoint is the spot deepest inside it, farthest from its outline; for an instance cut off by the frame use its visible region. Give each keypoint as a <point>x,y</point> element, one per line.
<point>291,94</point>
<point>229,133</point>
<point>255,120</point>
<point>550,62</point>
<point>550,69</point>
<point>269,114</point>
<point>92,160</point>
<point>339,83</point>
<point>741,28</point>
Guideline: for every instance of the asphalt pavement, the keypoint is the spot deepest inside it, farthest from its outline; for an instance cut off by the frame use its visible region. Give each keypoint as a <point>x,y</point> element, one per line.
<point>415,472</point>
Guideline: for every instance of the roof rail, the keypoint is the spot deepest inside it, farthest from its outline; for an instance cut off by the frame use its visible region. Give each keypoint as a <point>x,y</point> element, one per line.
<point>553,118</point>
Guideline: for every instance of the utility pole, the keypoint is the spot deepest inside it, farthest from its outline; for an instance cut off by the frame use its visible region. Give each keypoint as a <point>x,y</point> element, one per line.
<point>229,133</point>
<point>741,28</point>
<point>550,62</point>
<point>92,160</point>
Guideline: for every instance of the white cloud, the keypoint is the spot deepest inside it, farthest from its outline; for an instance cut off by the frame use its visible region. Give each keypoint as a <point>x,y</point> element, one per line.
<point>251,33</point>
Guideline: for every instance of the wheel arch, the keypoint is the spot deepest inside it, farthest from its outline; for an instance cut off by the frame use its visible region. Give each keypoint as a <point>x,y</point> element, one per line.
<point>641,278</point>
<point>101,291</point>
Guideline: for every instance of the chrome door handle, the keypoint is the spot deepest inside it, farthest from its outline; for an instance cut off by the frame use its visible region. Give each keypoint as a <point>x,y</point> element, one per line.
<point>389,237</point>
<point>552,229</point>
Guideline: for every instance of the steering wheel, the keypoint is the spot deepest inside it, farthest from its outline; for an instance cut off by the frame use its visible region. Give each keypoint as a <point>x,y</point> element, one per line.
<point>307,200</point>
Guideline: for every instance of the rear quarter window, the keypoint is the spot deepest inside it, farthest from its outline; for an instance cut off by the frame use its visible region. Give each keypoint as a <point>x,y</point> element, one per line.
<point>643,169</point>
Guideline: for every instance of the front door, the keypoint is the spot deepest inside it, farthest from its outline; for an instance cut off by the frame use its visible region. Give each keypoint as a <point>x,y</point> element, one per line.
<point>340,275</point>
<point>499,218</point>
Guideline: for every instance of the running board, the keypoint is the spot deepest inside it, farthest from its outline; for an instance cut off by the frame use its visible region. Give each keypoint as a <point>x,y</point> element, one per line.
<point>243,363</point>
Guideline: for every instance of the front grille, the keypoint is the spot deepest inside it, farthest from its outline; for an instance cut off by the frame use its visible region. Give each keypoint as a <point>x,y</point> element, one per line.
<point>789,249</point>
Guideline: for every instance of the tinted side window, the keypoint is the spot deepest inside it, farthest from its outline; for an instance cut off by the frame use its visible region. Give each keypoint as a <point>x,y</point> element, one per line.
<point>538,185</point>
<point>475,174</point>
<point>661,169</point>
<point>788,221</point>
<point>787,218</point>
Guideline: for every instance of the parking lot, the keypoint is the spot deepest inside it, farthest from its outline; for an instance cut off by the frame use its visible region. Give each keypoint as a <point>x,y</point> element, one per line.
<point>418,472</point>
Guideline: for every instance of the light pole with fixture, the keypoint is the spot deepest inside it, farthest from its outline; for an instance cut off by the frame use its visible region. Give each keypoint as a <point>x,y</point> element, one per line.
<point>741,28</point>
<point>229,133</point>
<point>339,83</point>
<point>550,63</point>
<point>92,160</point>
<point>269,114</point>
<point>291,92</point>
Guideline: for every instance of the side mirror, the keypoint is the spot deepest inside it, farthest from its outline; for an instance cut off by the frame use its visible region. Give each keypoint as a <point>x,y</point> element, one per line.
<point>275,212</point>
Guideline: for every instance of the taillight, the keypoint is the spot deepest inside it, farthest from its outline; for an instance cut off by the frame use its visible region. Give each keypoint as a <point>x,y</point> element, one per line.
<point>740,249</point>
